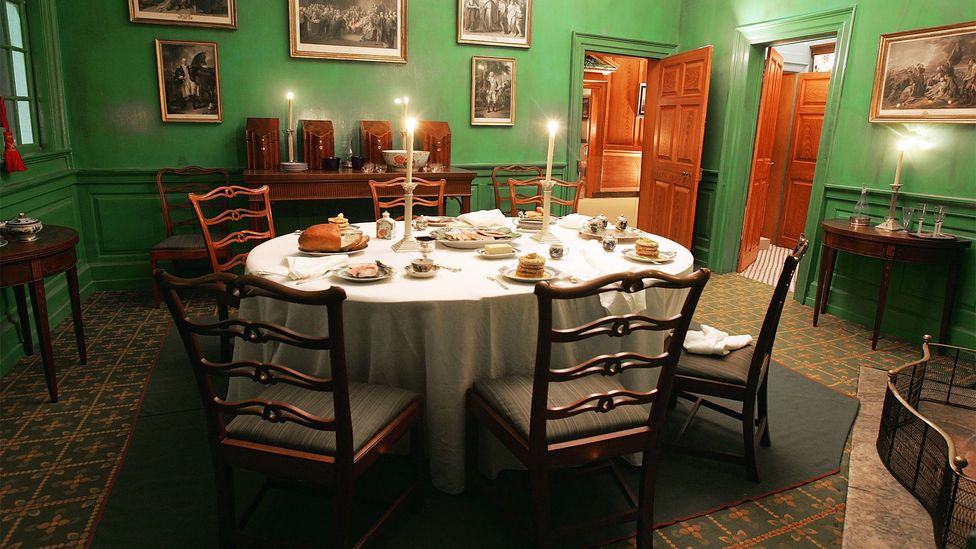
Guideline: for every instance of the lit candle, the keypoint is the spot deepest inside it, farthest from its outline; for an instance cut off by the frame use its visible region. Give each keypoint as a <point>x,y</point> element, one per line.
<point>403,122</point>
<point>291,135</point>
<point>411,125</point>
<point>901,156</point>
<point>553,126</point>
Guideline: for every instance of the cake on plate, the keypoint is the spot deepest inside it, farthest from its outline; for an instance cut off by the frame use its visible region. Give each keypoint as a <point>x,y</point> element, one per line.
<point>645,247</point>
<point>531,266</point>
<point>341,221</point>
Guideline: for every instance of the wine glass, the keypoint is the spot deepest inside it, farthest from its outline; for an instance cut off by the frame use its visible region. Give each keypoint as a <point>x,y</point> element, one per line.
<point>921,216</point>
<point>426,245</point>
<point>939,218</point>
<point>907,214</point>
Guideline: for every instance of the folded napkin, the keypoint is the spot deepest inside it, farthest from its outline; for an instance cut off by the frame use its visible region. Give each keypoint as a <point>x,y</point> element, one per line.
<point>573,221</point>
<point>616,303</point>
<point>484,218</point>
<point>305,267</point>
<point>712,341</point>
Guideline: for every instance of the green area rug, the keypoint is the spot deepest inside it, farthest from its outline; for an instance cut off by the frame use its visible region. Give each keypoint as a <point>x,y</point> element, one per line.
<point>164,495</point>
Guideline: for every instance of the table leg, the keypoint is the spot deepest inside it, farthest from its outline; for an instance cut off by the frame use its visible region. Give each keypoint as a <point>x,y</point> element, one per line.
<point>882,297</point>
<point>72,275</point>
<point>465,204</point>
<point>39,302</point>
<point>24,316</point>
<point>950,298</point>
<point>831,262</point>
<point>827,255</point>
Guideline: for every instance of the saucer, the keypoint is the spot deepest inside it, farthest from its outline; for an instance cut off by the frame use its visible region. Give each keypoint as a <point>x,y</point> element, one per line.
<point>417,274</point>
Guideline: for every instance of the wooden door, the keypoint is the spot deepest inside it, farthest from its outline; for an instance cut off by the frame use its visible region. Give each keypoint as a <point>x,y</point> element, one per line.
<point>596,138</point>
<point>762,161</point>
<point>811,101</point>
<point>671,165</point>
<point>781,154</point>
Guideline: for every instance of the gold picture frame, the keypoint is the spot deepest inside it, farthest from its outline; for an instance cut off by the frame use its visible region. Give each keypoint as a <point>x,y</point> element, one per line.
<point>923,75</point>
<point>189,81</point>
<point>312,38</point>
<point>160,14</point>
<point>488,26</point>
<point>493,91</point>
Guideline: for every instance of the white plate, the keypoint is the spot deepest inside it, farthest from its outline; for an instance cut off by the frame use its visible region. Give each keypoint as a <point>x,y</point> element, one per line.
<point>440,221</point>
<point>663,256</point>
<point>481,252</point>
<point>510,273</point>
<point>384,274</point>
<point>472,244</point>
<point>417,274</point>
<point>323,254</point>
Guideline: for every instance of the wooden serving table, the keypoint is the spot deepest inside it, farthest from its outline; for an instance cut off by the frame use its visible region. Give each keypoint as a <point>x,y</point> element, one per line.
<point>889,247</point>
<point>29,263</point>
<point>346,184</point>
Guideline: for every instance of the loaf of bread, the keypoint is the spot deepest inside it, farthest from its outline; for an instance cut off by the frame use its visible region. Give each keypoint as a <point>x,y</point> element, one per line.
<point>328,237</point>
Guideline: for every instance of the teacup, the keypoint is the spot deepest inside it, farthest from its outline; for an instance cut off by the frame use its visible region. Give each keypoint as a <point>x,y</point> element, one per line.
<point>420,223</point>
<point>331,164</point>
<point>422,265</point>
<point>557,250</point>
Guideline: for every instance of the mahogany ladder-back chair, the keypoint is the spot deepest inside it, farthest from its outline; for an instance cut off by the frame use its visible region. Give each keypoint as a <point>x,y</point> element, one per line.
<point>559,187</point>
<point>325,431</point>
<point>740,376</point>
<point>500,173</point>
<point>428,194</point>
<point>226,242</point>
<point>180,244</point>
<point>568,415</point>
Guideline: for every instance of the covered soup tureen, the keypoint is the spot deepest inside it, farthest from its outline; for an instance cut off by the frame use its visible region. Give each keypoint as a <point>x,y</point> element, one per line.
<point>21,229</point>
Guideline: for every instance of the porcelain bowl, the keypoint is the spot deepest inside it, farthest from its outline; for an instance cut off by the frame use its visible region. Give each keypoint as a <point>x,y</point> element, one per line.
<point>396,159</point>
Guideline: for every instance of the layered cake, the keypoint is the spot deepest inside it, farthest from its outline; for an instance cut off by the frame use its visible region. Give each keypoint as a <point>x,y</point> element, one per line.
<point>531,266</point>
<point>341,221</point>
<point>645,247</point>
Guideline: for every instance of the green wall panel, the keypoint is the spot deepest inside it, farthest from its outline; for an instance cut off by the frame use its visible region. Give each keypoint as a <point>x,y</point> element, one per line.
<point>113,98</point>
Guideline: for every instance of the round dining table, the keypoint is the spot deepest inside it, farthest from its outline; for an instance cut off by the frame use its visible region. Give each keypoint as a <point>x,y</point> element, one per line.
<point>436,336</point>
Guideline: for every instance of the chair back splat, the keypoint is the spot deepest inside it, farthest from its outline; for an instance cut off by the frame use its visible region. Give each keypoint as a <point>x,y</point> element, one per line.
<point>498,181</point>
<point>287,423</point>
<point>429,194</point>
<point>559,187</point>
<point>223,232</point>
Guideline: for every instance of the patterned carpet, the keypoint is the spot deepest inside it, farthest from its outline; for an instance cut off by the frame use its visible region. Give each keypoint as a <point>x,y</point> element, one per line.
<point>58,462</point>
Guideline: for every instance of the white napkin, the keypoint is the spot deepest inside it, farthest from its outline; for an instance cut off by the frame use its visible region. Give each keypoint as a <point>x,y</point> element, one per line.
<point>573,221</point>
<point>712,341</point>
<point>616,303</point>
<point>305,267</point>
<point>484,218</point>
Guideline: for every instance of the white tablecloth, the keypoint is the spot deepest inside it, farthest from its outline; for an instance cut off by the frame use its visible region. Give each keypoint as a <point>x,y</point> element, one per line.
<point>437,336</point>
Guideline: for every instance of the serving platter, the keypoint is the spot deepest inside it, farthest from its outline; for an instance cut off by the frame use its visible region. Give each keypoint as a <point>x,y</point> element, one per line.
<point>442,236</point>
<point>385,272</point>
<point>630,233</point>
<point>326,254</point>
<point>933,236</point>
<point>440,221</point>
<point>511,272</point>
<point>664,256</point>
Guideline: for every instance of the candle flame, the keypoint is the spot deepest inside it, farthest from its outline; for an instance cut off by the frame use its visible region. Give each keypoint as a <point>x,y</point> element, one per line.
<point>402,100</point>
<point>411,124</point>
<point>289,96</point>
<point>914,143</point>
<point>398,100</point>
<point>553,126</point>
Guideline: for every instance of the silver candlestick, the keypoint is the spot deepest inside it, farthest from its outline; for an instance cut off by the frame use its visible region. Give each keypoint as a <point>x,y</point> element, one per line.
<point>408,243</point>
<point>890,224</point>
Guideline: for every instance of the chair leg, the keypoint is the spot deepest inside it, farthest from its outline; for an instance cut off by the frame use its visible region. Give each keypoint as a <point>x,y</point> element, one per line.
<point>764,414</point>
<point>153,264</point>
<point>224,479</point>
<point>343,510</point>
<point>226,350</point>
<point>645,516</point>
<point>539,477</point>
<point>470,451</point>
<point>749,439</point>
<point>417,455</point>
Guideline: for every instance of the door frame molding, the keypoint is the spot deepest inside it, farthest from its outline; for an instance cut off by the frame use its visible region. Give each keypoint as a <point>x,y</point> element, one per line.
<point>583,43</point>
<point>740,127</point>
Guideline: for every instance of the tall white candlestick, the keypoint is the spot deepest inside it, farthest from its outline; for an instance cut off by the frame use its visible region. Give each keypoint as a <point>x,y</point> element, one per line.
<point>408,243</point>
<point>901,156</point>
<point>544,235</point>
<point>290,129</point>
<point>552,145</point>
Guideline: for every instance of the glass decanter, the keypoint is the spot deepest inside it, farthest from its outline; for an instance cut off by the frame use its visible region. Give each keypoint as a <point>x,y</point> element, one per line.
<point>860,217</point>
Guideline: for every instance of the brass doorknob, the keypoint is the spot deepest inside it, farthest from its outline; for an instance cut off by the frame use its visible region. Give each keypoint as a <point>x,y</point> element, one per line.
<point>686,174</point>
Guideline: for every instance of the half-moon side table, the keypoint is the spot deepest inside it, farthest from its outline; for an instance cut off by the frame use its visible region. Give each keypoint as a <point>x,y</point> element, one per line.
<point>889,247</point>
<point>29,263</point>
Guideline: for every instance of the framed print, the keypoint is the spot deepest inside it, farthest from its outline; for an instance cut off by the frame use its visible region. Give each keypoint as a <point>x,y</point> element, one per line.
<point>357,30</point>
<point>495,22</point>
<point>492,91</point>
<point>189,82</point>
<point>193,13</point>
<point>641,98</point>
<point>926,75</point>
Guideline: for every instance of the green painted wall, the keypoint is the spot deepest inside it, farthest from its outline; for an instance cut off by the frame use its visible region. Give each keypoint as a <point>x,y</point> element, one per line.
<point>861,153</point>
<point>114,106</point>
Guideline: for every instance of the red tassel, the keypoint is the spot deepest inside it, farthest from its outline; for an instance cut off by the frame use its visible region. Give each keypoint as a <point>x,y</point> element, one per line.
<point>12,162</point>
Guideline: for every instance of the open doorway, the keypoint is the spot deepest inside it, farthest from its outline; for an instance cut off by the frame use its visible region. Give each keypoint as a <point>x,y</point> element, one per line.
<point>793,102</point>
<point>612,124</point>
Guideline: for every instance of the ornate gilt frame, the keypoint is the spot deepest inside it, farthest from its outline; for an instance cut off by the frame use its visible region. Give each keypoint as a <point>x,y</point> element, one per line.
<point>295,48</point>
<point>136,15</point>
<point>167,117</point>
<point>474,62</point>
<point>528,30</point>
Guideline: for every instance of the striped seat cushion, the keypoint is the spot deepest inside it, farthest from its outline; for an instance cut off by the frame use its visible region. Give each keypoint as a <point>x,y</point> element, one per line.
<point>182,242</point>
<point>731,368</point>
<point>372,408</point>
<point>512,398</point>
